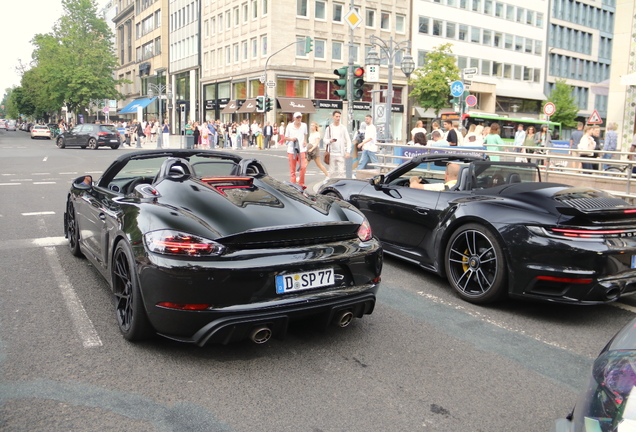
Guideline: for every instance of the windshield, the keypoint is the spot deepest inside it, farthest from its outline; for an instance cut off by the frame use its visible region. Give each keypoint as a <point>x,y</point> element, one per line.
<point>610,400</point>
<point>493,174</point>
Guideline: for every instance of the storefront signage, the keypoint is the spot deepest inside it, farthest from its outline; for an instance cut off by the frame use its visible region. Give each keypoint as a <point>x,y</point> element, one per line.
<point>328,104</point>
<point>366,106</point>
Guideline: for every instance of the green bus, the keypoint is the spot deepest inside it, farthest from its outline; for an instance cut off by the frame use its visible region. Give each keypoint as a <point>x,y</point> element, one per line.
<point>508,125</point>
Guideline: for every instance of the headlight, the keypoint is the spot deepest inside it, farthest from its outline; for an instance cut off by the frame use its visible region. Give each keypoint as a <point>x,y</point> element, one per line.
<point>169,242</point>
<point>364,231</point>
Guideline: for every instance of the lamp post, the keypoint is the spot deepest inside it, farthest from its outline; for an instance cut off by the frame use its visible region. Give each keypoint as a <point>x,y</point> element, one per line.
<point>159,89</point>
<point>390,50</point>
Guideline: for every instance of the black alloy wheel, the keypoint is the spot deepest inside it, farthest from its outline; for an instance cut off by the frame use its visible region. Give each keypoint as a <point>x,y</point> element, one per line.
<point>60,143</point>
<point>72,231</point>
<point>131,316</point>
<point>92,144</point>
<point>475,264</point>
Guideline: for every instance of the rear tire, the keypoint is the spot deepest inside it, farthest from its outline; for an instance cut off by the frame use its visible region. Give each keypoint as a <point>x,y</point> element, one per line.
<point>60,143</point>
<point>72,231</point>
<point>92,144</point>
<point>129,308</point>
<point>475,264</point>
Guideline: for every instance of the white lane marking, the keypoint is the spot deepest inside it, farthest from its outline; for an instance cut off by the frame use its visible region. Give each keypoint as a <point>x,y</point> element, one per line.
<point>10,184</point>
<point>17,180</point>
<point>48,241</point>
<point>39,213</point>
<point>40,173</point>
<point>67,173</point>
<point>38,183</point>
<point>44,160</point>
<point>8,174</point>
<point>82,323</point>
<point>483,317</point>
<point>632,309</point>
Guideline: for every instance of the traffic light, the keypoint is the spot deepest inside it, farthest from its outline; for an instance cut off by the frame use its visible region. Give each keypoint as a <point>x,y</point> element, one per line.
<point>260,104</point>
<point>341,82</point>
<point>358,83</point>
<point>268,104</point>
<point>309,45</point>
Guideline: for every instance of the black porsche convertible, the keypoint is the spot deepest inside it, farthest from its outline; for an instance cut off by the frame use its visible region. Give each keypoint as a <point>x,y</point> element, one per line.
<point>500,230</point>
<point>205,247</point>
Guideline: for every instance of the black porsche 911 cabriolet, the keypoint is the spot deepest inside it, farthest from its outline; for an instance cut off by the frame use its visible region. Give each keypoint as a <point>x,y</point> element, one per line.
<point>499,230</point>
<point>205,247</point>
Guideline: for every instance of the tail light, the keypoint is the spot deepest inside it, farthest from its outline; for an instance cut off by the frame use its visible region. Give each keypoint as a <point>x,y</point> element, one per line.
<point>364,231</point>
<point>169,242</point>
<point>582,233</point>
<point>103,133</point>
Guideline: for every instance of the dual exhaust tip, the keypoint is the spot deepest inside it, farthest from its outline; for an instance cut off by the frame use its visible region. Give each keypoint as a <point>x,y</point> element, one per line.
<point>262,334</point>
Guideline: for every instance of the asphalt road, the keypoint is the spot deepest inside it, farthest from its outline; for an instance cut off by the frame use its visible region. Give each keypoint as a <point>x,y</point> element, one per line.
<point>424,361</point>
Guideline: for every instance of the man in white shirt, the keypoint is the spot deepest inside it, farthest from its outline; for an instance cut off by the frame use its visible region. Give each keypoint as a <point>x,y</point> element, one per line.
<point>369,146</point>
<point>339,144</point>
<point>437,140</point>
<point>296,136</point>
<point>244,129</point>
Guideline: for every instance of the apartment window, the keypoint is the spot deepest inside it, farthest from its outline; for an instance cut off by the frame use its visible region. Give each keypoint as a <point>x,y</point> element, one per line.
<point>463,4</point>
<point>320,12</point>
<point>337,12</point>
<point>319,49</point>
<point>206,28</point>
<point>507,71</point>
<point>220,27</point>
<point>452,3</point>
<point>254,48</point>
<point>499,8</point>
<point>236,17</point>
<point>399,23</point>
<point>236,53</point>
<point>228,20</point>
<point>213,59</point>
<point>300,47</point>
<point>450,30</point>
<point>244,50</point>
<point>158,19</point>
<point>517,72</point>
<point>336,51</point>
<point>518,43</point>
<point>421,58</point>
<point>520,14</point>
<point>508,42</point>
<point>463,32</point>
<point>474,63</point>
<point>487,37</point>
<point>497,69</point>
<point>228,55</point>
<point>539,21</point>
<point>476,5</point>
<point>488,7</point>
<point>486,66</point>
<point>462,62</point>
<point>529,46</point>
<point>246,13</point>
<point>355,53</point>
<point>510,12</point>
<point>529,17</point>
<point>264,45</point>
<point>537,75</point>
<point>474,34</point>
<point>498,40</point>
<point>213,25</point>
<point>370,18</point>
<point>437,28</point>
<point>385,21</point>
<point>423,25</point>
<point>254,9</point>
<point>301,8</point>
<point>528,74</point>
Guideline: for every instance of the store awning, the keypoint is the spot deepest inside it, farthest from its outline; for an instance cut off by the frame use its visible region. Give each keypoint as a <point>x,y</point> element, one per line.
<point>629,80</point>
<point>131,108</point>
<point>601,88</point>
<point>230,108</point>
<point>292,105</point>
<point>249,106</point>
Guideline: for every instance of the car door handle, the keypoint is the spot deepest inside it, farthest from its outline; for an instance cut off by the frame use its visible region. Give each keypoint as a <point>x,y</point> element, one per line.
<point>421,210</point>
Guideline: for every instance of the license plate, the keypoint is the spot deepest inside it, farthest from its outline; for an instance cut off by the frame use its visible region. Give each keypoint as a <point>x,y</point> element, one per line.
<point>114,140</point>
<point>303,281</point>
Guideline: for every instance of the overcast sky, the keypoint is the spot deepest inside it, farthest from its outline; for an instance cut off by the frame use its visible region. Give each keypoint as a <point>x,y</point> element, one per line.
<point>20,21</point>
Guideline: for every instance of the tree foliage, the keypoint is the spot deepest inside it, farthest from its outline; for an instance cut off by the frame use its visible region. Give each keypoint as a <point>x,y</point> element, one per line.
<point>431,82</point>
<point>566,107</point>
<point>74,63</point>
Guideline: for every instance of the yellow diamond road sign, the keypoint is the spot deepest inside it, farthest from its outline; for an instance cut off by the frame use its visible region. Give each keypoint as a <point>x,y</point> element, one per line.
<point>353,18</point>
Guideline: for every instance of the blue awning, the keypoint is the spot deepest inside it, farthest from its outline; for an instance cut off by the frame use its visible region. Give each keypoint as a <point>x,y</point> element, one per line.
<point>138,103</point>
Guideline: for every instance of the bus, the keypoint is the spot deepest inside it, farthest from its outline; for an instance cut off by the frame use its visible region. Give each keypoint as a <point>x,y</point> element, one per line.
<point>508,125</point>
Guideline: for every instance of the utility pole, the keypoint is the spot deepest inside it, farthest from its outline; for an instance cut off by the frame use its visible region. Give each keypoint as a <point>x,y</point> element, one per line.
<point>349,162</point>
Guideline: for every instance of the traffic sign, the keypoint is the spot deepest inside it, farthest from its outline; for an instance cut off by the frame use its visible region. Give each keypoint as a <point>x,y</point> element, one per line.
<point>457,88</point>
<point>262,79</point>
<point>595,118</point>
<point>353,18</point>
<point>549,109</point>
<point>471,100</point>
<point>271,84</point>
<point>469,76</point>
<point>106,109</point>
<point>467,83</point>
<point>469,71</point>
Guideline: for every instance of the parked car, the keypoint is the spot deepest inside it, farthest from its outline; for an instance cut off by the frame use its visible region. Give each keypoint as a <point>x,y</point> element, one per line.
<point>606,403</point>
<point>3,124</point>
<point>11,125</point>
<point>205,247</point>
<point>40,131</point>
<point>90,135</point>
<point>500,230</point>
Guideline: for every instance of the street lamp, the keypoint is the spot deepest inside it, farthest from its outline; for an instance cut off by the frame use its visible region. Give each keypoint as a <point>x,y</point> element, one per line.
<point>159,89</point>
<point>390,50</point>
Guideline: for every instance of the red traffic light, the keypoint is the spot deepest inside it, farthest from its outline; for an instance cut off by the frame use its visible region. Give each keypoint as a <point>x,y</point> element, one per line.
<point>358,72</point>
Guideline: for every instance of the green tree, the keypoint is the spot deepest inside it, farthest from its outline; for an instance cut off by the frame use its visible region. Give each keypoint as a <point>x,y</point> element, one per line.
<point>75,62</point>
<point>431,82</point>
<point>19,103</point>
<point>566,107</point>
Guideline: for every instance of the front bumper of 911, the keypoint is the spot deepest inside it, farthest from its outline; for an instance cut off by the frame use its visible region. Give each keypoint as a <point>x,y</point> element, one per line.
<point>239,289</point>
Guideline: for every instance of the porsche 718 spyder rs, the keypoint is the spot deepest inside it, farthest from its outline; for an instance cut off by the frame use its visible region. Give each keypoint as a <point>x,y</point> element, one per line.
<point>500,230</point>
<point>205,247</point>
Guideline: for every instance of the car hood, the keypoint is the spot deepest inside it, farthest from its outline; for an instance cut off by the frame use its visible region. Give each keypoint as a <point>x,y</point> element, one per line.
<point>231,206</point>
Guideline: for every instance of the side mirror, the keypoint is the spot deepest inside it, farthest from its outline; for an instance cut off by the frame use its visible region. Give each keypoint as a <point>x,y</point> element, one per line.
<point>83,183</point>
<point>377,181</point>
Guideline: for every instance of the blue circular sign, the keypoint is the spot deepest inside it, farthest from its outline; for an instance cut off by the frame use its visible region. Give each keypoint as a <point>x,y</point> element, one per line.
<point>457,88</point>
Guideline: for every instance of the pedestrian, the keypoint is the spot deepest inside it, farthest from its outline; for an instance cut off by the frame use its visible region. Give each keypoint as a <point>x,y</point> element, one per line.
<point>296,135</point>
<point>139,131</point>
<point>529,141</point>
<point>451,134</point>
<point>212,134</point>
<point>611,141</point>
<point>493,137</point>
<point>195,131</point>
<point>520,138</point>
<point>437,139</point>
<point>575,138</point>
<point>313,148</point>
<point>268,132</point>
<point>435,127</point>
<point>339,146</point>
<point>419,127</point>
<point>586,147</point>
<point>244,129</point>
<point>148,132</point>
<point>253,133</point>
<point>153,130</point>
<point>205,135</point>
<point>369,146</point>
<point>165,130</point>
<point>281,133</point>
<point>596,135</point>
<point>471,136</point>
<point>420,139</point>
<point>259,137</point>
